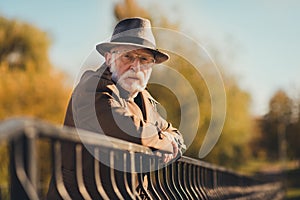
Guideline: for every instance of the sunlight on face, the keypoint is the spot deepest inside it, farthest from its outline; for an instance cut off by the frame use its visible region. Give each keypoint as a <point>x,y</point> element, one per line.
<point>133,77</point>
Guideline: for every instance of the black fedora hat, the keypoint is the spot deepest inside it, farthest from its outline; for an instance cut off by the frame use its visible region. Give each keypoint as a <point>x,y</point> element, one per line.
<point>133,32</point>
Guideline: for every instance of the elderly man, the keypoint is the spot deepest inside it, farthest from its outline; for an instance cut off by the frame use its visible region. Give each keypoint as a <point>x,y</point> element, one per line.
<point>113,100</point>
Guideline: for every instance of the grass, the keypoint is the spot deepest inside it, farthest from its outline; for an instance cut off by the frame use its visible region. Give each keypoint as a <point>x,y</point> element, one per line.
<point>293,190</point>
<point>259,165</point>
<point>293,194</point>
<point>292,174</point>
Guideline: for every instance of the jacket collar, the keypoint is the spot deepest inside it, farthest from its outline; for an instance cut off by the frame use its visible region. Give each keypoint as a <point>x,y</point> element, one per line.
<point>106,81</point>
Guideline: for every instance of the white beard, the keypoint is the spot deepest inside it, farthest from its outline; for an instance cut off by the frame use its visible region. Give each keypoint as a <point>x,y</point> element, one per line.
<point>133,86</point>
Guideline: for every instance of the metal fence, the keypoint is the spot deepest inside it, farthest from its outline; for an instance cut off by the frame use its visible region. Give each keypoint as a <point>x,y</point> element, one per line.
<point>135,172</point>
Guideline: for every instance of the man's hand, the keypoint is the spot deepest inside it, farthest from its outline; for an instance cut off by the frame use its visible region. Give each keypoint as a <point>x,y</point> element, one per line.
<point>168,157</point>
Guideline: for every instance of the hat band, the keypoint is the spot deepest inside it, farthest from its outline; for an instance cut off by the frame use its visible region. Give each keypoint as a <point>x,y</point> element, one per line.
<point>134,40</point>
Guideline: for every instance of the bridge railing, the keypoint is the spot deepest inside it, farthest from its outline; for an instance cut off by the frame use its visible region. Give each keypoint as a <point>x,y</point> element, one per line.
<point>135,172</point>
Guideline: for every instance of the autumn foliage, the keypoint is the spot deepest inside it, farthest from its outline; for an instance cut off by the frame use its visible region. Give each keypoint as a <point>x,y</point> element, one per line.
<point>29,84</point>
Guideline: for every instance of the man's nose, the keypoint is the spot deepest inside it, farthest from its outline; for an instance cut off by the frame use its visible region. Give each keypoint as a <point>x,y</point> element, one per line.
<point>136,65</point>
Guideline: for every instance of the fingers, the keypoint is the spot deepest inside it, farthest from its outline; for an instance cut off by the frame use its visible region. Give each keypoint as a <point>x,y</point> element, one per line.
<point>167,158</point>
<point>175,148</point>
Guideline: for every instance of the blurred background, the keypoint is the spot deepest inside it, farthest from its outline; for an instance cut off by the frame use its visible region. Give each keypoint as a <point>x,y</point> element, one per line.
<point>255,45</point>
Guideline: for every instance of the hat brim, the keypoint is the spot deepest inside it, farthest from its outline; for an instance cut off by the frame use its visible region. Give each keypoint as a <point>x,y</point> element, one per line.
<point>104,47</point>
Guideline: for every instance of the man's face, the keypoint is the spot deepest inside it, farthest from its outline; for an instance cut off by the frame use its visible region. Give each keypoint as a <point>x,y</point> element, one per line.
<point>131,67</point>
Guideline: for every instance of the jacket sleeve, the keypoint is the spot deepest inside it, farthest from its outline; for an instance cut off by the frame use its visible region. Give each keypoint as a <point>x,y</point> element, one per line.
<point>116,121</point>
<point>167,127</point>
<point>177,136</point>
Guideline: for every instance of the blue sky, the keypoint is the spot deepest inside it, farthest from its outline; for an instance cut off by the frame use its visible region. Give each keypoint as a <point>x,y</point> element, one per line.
<point>258,41</point>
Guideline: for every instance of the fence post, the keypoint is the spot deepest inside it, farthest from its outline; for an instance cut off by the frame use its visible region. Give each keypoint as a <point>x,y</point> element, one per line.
<point>23,172</point>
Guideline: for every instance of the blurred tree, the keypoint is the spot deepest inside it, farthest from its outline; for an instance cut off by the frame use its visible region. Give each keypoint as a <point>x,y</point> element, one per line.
<point>293,140</point>
<point>232,148</point>
<point>23,46</point>
<point>129,9</point>
<point>274,125</point>
<point>280,107</point>
<point>29,84</point>
<point>293,132</point>
<point>279,133</point>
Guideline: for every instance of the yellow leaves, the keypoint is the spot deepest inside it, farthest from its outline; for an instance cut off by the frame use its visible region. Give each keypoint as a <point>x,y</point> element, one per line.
<point>281,107</point>
<point>23,45</point>
<point>130,9</point>
<point>29,85</point>
<point>32,93</point>
<point>4,172</point>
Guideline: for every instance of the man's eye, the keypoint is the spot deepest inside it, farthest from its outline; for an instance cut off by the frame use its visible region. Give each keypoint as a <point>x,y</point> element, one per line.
<point>126,55</point>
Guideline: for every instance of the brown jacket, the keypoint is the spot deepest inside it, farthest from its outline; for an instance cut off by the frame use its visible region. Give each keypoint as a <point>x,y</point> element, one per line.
<point>99,105</point>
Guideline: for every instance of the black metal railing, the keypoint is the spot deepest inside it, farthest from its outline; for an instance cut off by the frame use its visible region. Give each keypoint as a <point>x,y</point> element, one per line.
<point>135,172</point>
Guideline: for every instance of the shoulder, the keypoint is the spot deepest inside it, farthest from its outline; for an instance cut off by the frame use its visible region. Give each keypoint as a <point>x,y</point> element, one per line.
<point>95,81</point>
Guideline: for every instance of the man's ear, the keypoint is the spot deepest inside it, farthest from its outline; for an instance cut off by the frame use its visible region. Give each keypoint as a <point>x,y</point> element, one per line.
<point>108,58</point>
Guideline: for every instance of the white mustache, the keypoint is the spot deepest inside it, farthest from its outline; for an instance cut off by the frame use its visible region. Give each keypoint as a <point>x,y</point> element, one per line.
<point>139,83</point>
<point>134,75</point>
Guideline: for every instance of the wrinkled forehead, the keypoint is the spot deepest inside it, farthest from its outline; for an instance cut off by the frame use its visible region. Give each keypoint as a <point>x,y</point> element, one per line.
<point>128,48</point>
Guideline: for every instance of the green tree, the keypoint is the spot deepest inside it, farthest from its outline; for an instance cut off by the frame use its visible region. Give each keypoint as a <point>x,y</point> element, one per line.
<point>233,147</point>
